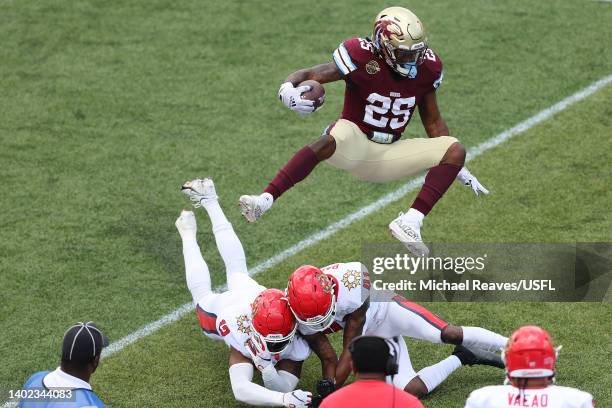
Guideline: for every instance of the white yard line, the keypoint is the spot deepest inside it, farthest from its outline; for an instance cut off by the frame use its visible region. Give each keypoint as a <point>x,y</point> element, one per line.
<point>363,212</point>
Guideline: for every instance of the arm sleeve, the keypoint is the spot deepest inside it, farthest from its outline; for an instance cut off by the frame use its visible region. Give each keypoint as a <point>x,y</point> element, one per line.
<point>246,391</point>
<point>281,380</point>
<point>470,402</point>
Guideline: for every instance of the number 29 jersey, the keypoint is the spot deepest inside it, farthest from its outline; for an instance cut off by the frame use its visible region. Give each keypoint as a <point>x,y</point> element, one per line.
<point>376,98</point>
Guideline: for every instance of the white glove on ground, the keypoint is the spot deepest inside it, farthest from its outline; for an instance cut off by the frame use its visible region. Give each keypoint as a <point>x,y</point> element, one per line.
<point>261,359</point>
<point>297,399</point>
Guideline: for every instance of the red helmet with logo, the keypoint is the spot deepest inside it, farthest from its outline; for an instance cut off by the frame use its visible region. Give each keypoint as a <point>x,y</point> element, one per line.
<point>272,321</point>
<point>312,297</point>
<point>530,354</point>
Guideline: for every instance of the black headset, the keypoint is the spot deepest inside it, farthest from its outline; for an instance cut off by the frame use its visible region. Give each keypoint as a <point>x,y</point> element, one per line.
<point>391,365</point>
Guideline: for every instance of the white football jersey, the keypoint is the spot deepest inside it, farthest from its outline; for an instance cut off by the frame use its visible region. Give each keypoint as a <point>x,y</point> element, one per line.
<point>508,396</point>
<point>352,283</point>
<point>227,317</point>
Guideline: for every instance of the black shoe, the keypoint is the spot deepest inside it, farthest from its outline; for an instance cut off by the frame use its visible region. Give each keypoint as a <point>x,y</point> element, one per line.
<point>476,356</point>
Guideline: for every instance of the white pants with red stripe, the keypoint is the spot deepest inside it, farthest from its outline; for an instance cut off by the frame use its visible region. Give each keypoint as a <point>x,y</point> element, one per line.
<point>403,318</point>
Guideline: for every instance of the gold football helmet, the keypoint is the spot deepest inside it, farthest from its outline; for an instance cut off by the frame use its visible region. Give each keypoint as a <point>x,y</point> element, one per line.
<point>399,36</point>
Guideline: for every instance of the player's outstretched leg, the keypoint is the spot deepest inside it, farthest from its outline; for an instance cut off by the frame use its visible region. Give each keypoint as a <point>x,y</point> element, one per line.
<point>297,169</point>
<point>405,318</point>
<point>196,270</point>
<point>473,338</point>
<point>407,226</point>
<point>429,378</point>
<point>426,380</point>
<point>408,318</point>
<point>203,194</point>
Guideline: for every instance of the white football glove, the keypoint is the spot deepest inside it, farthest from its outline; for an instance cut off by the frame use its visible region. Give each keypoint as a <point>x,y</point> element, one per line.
<point>467,178</point>
<point>292,98</point>
<point>262,359</point>
<point>297,399</point>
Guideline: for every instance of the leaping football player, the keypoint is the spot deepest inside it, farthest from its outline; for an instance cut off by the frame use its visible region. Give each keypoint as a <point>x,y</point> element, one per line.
<point>336,298</point>
<point>255,323</point>
<point>386,77</point>
<point>530,374</point>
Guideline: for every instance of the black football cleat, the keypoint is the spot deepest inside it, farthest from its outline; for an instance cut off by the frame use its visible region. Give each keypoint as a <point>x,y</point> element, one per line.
<point>476,356</point>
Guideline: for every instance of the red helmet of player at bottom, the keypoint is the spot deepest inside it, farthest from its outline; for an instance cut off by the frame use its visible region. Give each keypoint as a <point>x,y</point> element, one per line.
<point>272,321</point>
<point>530,353</point>
<point>312,297</point>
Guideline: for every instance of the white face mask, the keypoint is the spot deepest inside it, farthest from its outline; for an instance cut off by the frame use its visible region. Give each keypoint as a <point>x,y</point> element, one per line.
<point>272,343</point>
<point>405,62</point>
<point>320,323</point>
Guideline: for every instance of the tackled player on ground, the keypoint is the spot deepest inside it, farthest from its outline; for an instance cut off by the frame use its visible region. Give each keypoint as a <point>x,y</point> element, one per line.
<point>336,298</point>
<point>254,322</point>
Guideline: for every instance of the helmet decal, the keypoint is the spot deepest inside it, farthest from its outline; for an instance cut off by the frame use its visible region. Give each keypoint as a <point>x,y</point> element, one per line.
<point>312,297</point>
<point>325,283</point>
<point>386,29</point>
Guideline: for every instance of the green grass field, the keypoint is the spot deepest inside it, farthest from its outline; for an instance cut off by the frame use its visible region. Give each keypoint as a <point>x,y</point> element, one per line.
<point>108,107</point>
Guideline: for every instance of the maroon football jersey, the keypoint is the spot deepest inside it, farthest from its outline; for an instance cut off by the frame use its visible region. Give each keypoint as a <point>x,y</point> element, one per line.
<point>376,98</point>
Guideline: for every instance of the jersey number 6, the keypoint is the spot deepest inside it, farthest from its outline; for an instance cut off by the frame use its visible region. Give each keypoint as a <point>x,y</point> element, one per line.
<point>376,112</point>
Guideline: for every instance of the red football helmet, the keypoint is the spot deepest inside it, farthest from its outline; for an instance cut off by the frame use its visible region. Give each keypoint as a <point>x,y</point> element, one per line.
<point>530,354</point>
<point>272,322</point>
<point>312,297</point>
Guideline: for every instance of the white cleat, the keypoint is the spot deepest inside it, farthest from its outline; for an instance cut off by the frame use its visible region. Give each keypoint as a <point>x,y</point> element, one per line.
<point>409,234</point>
<point>254,206</point>
<point>199,190</point>
<point>186,225</point>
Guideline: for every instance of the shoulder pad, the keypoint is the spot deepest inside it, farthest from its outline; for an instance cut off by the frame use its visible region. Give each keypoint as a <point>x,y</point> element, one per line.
<point>353,53</point>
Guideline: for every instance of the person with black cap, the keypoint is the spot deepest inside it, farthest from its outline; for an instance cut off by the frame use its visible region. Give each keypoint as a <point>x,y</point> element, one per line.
<point>68,385</point>
<point>373,360</point>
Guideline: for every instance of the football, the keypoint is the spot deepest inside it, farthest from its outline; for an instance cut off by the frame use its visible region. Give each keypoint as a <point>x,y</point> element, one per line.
<point>316,93</point>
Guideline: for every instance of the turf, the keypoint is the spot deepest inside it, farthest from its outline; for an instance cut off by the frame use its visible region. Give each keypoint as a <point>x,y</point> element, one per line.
<point>108,106</point>
<point>196,367</point>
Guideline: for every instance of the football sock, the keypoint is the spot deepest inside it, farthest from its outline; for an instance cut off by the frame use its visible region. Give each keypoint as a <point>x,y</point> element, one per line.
<point>196,270</point>
<point>483,339</point>
<point>228,243</point>
<point>215,213</point>
<point>437,181</point>
<point>268,200</point>
<point>433,375</point>
<point>296,170</point>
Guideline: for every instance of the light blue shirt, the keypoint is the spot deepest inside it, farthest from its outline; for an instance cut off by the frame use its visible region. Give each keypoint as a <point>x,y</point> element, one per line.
<point>82,395</point>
